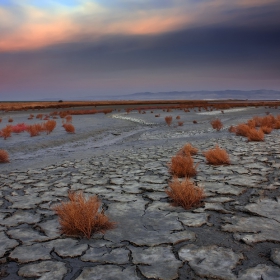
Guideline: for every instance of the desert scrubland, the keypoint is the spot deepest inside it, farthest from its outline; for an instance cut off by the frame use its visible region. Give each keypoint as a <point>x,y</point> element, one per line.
<point>123,190</point>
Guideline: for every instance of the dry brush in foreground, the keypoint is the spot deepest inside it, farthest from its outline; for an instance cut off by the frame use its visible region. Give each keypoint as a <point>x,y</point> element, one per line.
<point>80,216</point>
<point>185,193</point>
<point>217,156</point>
<point>168,120</point>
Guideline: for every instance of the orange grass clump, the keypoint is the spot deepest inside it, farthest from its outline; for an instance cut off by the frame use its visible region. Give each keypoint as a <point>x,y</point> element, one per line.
<point>49,126</point>
<point>188,149</point>
<point>69,127</point>
<point>80,216</point>
<point>255,135</point>
<point>35,129</point>
<point>185,193</point>
<point>242,129</point>
<point>178,118</point>
<point>4,156</point>
<point>168,120</point>
<point>68,118</point>
<point>182,166</point>
<point>10,120</point>
<point>217,124</point>
<point>6,132</point>
<point>180,123</point>
<point>266,129</point>
<point>217,156</point>
<point>232,129</point>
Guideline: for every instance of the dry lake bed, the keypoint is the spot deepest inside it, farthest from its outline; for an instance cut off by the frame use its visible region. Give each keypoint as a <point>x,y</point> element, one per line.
<point>123,159</point>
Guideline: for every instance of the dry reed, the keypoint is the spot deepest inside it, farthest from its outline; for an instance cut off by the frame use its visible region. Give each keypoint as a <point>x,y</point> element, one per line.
<point>217,124</point>
<point>80,216</point>
<point>168,120</point>
<point>217,156</point>
<point>182,166</point>
<point>185,193</point>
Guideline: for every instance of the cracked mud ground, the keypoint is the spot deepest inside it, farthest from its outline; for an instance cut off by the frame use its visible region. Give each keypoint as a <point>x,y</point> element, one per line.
<point>234,235</point>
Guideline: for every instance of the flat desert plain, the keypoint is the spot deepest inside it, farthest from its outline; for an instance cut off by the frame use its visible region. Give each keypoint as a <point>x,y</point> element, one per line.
<point>123,159</point>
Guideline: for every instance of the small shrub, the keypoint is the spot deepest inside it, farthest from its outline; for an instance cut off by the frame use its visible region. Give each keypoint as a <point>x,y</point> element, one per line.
<point>188,149</point>
<point>168,120</point>
<point>68,118</point>
<point>182,166</point>
<point>10,120</point>
<point>20,127</point>
<point>4,156</point>
<point>251,123</point>
<point>39,116</point>
<point>195,122</point>
<point>255,135</point>
<point>49,126</point>
<point>232,129</point>
<point>80,216</point>
<point>157,115</point>
<point>178,118</point>
<point>242,129</point>
<point>217,124</point>
<point>266,129</point>
<point>217,156</point>
<point>185,193</point>
<point>35,129</point>
<point>69,127</point>
<point>180,123</point>
<point>0,120</point>
<point>6,132</point>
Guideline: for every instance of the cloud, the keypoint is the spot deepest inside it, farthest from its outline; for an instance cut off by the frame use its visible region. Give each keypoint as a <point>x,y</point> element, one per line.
<point>31,26</point>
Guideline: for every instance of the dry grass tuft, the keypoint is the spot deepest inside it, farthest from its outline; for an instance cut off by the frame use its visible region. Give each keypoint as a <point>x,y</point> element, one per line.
<point>6,132</point>
<point>35,129</point>
<point>182,166</point>
<point>232,129</point>
<point>185,193</point>
<point>4,156</point>
<point>217,124</point>
<point>188,149</point>
<point>69,127</point>
<point>49,126</point>
<point>266,129</point>
<point>180,123</point>
<point>158,115</point>
<point>19,128</point>
<point>217,156</point>
<point>255,135</point>
<point>10,120</point>
<point>80,216</point>
<point>195,122</point>
<point>168,120</point>
<point>242,129</point>
<point>0,120</point>
<point>178,118</point>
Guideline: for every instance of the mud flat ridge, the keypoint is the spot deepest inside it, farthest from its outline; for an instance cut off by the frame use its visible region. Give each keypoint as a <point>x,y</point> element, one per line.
<point>234,235</point>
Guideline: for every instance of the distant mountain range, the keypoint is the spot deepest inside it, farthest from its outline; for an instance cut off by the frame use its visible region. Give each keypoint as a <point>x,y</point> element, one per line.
<point>194,95</point>
<point>188,95</point>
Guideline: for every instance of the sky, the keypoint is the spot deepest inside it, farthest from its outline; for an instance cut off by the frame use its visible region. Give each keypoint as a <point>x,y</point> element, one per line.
<point>71,49</point>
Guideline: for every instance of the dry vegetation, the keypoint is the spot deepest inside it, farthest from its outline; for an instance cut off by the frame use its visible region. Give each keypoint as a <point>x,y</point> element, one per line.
<point>217,156</point>
<point>4,156</point>
<point>69,127</point>
<point>255,135</point>
<point>185,193</point>
<point>180,123</point>
<point>6,132</point>
<point>217,124</point>
<point>182,166</point>
<point>80,216</point>
<point>188,149</point>
<point>168,120</point>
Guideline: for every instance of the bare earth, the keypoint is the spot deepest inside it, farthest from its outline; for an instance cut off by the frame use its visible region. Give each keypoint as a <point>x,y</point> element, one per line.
<point>123,159</point>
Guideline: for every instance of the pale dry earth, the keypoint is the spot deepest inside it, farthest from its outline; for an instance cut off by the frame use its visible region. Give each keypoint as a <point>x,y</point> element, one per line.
<point>123,159</point>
